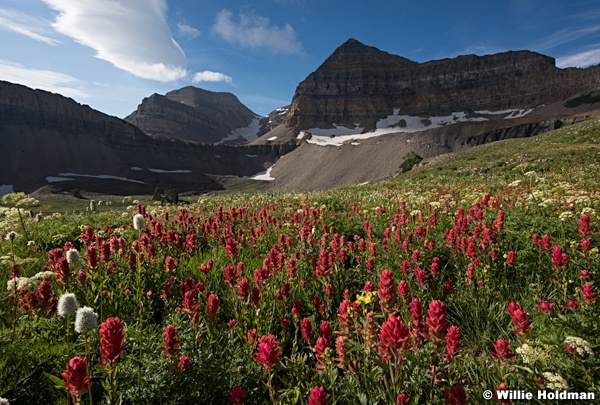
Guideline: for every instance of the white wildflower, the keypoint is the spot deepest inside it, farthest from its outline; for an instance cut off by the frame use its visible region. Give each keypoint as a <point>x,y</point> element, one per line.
<point>12,285</point>
<point>85,320</point>
<point>4,401</point>
<point>139,222</point>
<point>531,354</point>
<point>19,283</point>
<point>565,215</point>
<point>11,236</point>
<point>45,276</point>
<point>73,256</point>
<point>581,346</point>
<point>67,305</point>
<point>93,206</point>
<point>514,183</point>
<point>529,173</point>
<point>555,381</point>
<point>31,243</point>
<point>589,210</point>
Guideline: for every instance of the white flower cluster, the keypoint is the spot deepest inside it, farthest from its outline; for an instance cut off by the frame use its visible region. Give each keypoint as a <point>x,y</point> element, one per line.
<point>565,215</point>
<point>581,346</point>
<point>588,210</point>
<point>548,202</point>
<point>555,381</point>
<point>45,276</point>
<point>29,283</point>
<point>514,183</point>
<point>532,354</point>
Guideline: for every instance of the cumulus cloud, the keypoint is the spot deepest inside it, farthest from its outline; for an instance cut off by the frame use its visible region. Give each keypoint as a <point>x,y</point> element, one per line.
<point>42,79</point>
<point>132,35</point>
<point>23,24</point>
<point>187,31</point>
<point>255,32</point>
<point>208,76</point>
<point>581,59</point>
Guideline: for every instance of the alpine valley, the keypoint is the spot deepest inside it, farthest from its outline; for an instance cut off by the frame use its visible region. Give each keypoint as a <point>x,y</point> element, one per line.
<point>363,115</point>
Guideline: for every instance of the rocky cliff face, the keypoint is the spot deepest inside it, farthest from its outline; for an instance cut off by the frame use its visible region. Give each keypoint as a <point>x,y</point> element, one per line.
<point>47,138</point>
<point>361,84</point>
<point>193,114</point>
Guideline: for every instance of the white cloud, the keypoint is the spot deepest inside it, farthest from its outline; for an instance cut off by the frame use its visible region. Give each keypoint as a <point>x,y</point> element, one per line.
<point>41,79</point>
<point>208,76</point>
<point>132,35</point>
<point>23,24</point>
<point>581,59</point>
<point>187,31</point>
<point>256,32</point>
<point>566,36</point>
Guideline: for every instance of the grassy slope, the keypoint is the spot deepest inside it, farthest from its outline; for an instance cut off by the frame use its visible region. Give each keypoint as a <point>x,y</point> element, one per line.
<point>543,174</point>
<point>562,154</point>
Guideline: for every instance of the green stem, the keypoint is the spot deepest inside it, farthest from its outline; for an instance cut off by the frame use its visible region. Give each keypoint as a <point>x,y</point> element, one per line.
<point>88,364</point>
<point>271,391</point>
<point>22,223</point>
<point>68,357</point>
<point>141,314</point>
<point>16,296</point>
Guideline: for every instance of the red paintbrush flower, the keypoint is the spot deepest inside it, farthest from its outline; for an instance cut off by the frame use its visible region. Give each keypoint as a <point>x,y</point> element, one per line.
<point>436,319</point>
<point>453,337</point>
<point>184,363</point>
<point>402,399</point>
<point>76,377</point>
<point>111,341</point>
<point>520,319</point>
<point>392,338</point>
<point>267,351</point>
<point>456,396</point>
<point>170,346</point>
<point>510,258</point>
<point>212,307</point>
<point>589,295</point>
<point>237,395</point>
<point>502,350</point>
<point>307,331</point>
<point>386,293</point>
<point>317,396</point>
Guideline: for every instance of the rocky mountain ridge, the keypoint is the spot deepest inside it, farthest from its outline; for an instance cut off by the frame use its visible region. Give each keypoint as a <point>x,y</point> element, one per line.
<point>198,115</point>
<point>361,84</point>
<point>51,139</point>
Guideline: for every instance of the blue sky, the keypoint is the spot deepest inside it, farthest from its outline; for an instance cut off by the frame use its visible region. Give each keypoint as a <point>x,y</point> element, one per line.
<point>110,54</point>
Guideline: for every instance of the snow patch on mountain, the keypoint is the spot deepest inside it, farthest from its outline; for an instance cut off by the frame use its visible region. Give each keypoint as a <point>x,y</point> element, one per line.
<point>249,133</point>
<point>397,123</point>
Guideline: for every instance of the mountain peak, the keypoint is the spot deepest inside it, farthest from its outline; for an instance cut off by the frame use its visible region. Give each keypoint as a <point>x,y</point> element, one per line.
<point>354,52</point>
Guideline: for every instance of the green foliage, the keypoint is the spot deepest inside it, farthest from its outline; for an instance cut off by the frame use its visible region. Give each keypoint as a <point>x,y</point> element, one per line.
<point>410,161</point>
<point>584,99</point>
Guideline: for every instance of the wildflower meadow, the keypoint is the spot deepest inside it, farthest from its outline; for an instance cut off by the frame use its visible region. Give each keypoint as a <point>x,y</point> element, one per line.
<point>476,272</point>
